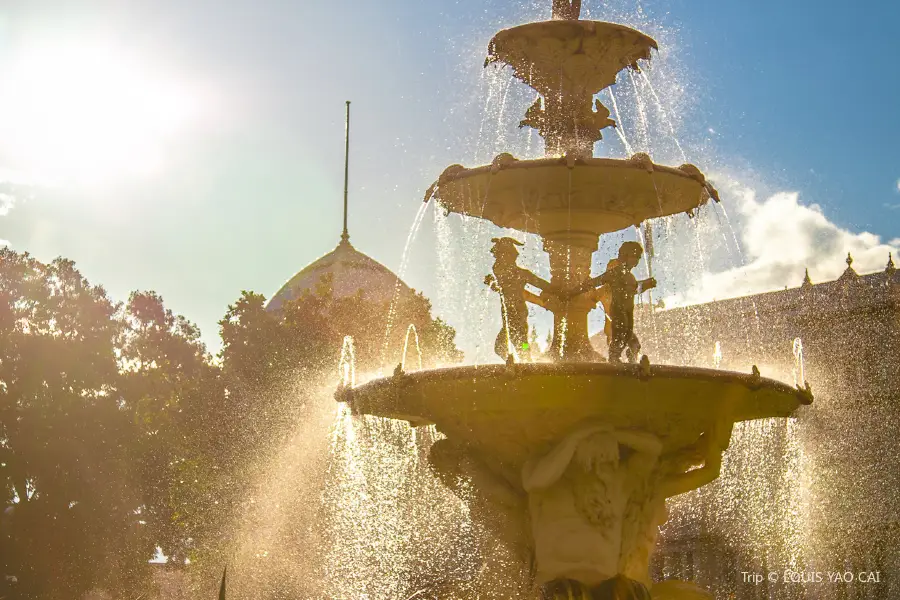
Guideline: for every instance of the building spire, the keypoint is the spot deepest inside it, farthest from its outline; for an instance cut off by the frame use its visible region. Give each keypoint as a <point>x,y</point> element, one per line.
<point>345,236</point>
<point>807,282</point>
<point>850,274</point>
<point>891,268</point>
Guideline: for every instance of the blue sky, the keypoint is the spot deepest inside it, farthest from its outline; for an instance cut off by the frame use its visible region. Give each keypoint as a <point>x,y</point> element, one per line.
<point>224,170</point>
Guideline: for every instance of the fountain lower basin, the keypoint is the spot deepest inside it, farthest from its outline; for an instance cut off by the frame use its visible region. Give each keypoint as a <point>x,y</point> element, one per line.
<point>511,413</point>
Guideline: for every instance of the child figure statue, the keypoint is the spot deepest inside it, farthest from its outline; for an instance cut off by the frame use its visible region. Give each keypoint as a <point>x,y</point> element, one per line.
<point>618,287</point>
<point>509,280</point>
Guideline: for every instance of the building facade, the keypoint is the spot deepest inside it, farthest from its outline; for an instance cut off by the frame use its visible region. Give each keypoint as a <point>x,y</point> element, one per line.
<point>810,499</point>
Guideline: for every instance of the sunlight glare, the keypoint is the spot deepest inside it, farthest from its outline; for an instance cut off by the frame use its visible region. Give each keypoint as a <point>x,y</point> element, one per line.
<point>87,114</point>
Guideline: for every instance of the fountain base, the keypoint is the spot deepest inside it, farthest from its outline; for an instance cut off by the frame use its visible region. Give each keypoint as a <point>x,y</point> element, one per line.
<point>568,466</point>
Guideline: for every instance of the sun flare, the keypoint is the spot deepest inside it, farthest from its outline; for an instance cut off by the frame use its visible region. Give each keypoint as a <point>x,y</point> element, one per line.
<point>76,113</point>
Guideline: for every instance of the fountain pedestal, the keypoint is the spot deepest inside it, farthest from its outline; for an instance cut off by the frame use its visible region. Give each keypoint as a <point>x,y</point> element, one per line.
<point>570,266</point>
<point>596,501</point>
<point>577,498</point>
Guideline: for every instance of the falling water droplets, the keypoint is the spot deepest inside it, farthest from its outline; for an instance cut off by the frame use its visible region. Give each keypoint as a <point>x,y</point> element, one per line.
<point>411,334</point>
<point>799,370</point>
<point>404,261</point>
<point>347,363</point>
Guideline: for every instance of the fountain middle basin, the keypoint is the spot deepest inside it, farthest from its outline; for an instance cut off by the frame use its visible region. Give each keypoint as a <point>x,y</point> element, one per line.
<point>552,195</point>
<point>509,413</point>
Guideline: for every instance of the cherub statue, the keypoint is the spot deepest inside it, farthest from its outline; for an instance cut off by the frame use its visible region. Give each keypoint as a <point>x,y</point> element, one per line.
<point>509,280</point>
<point>618,287</point>
<point>569,10</point>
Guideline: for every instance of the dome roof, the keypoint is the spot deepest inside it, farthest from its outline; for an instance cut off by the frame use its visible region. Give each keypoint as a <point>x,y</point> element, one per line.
<point>351,271</point>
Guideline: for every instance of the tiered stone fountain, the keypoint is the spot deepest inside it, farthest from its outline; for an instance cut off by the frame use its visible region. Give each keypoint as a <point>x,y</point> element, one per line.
<point>568,463</point>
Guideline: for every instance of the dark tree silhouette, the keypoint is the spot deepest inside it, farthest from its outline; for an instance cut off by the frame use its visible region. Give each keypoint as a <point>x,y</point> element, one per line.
<point>119,433</point>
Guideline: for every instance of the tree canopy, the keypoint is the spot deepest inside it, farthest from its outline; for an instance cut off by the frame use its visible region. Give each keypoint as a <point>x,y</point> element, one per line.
<point>121,434</point>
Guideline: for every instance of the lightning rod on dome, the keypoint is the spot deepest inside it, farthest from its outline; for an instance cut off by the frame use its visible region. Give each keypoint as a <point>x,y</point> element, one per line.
<point>345,236</point>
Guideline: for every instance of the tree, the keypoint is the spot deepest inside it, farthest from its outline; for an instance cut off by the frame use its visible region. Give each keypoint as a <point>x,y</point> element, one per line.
<point>69,521</point>
<point>172,394</point>
<point>271,359</point>
<point>276,365</point>
<point>379,329</point>
<point>119,432</point>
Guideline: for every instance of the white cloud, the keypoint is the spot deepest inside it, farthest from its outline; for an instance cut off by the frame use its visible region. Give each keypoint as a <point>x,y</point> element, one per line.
<point>6,203</point>
<point>780,237</point>
<point>14,187</point>
<point>8,194</point>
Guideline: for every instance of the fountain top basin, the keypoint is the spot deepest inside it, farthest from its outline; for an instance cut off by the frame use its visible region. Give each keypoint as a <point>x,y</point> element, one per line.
<point>513,412</point>
<point>584,54</point>
<point>565,194</point>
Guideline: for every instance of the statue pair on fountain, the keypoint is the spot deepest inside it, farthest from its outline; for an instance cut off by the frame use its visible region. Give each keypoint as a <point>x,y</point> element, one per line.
<point>615,289</point>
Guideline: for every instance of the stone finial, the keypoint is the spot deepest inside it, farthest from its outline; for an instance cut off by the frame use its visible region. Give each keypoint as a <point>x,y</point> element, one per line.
<point>807,282</point>
<point>644,368</point>
<point>343,393</point>
<point>850,274</point>
<point>755,379</point>
<point>890,269</point>
<point>805,393</point>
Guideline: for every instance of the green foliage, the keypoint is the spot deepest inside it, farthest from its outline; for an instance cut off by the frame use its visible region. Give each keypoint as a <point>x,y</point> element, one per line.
<point>120,433</point>
<point>69,520</point>
<point>171,392</point>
